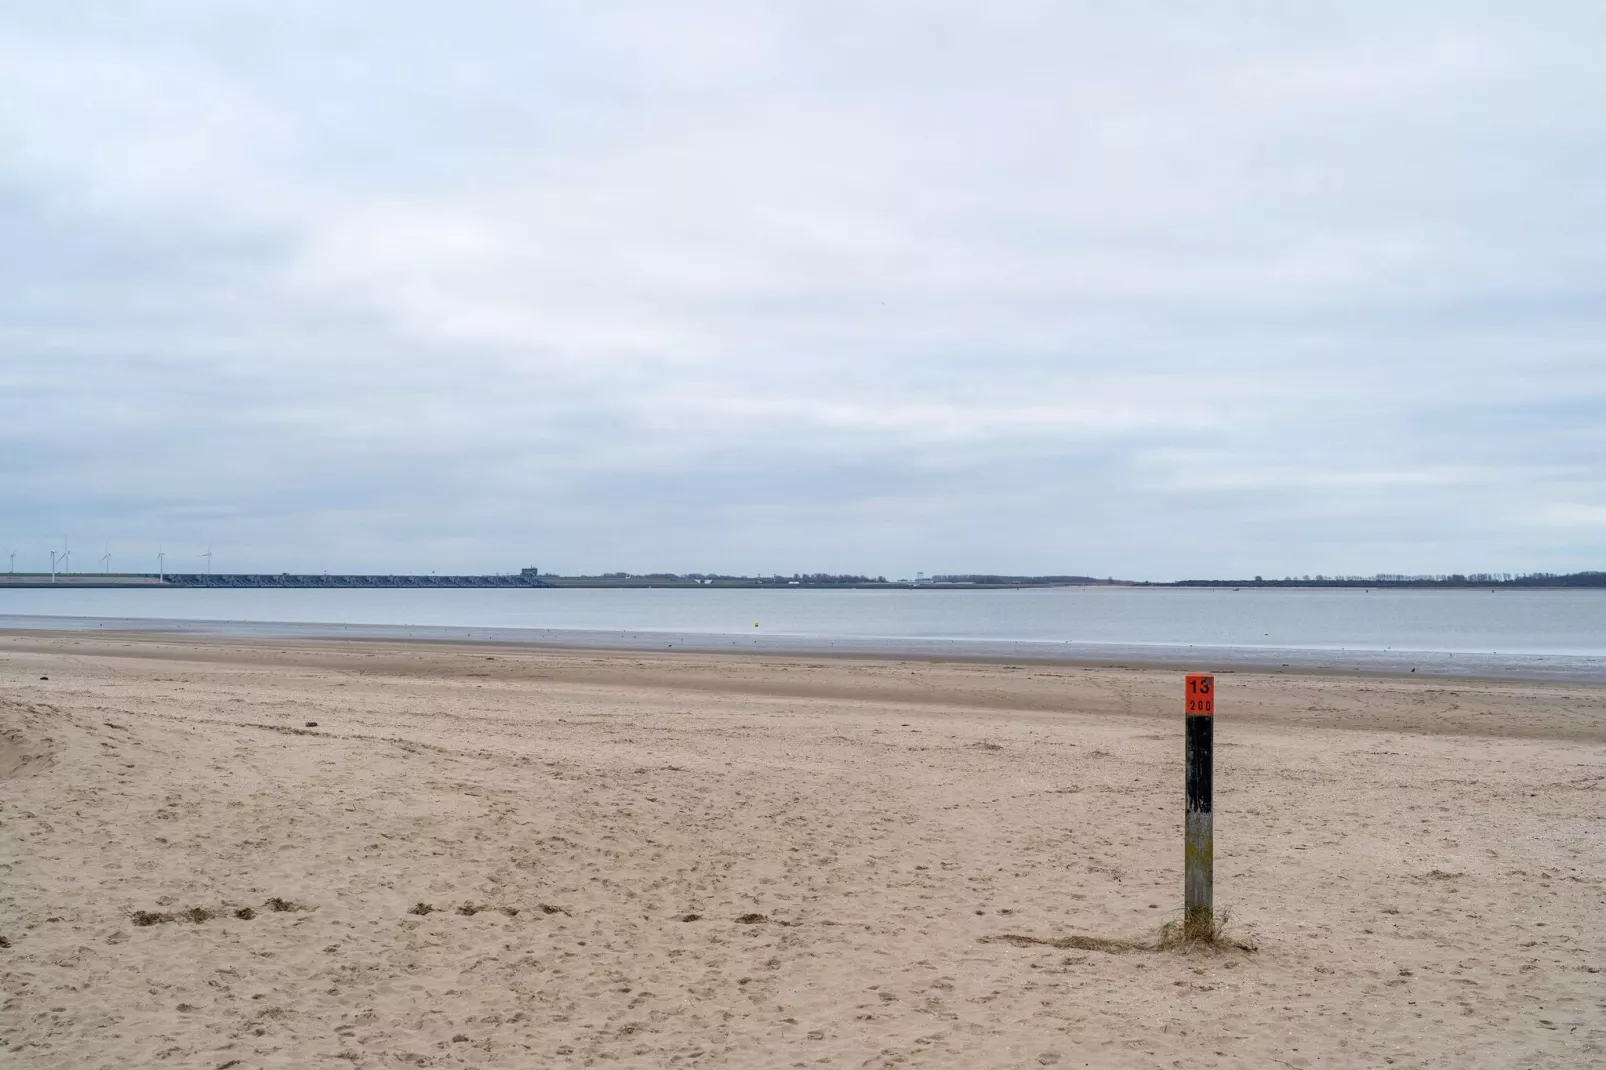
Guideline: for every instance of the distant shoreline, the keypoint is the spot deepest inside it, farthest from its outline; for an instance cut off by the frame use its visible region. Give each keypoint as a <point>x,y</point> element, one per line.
<point>283,581</point>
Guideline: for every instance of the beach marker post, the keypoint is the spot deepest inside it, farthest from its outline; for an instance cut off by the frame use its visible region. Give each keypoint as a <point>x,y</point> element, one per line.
<point>1198,777</point>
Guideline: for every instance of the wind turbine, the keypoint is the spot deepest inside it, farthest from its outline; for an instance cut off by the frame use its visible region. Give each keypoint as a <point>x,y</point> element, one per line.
<point>66,556</point>
<point>107,558</point>
<point>52,566</point>
<point>13,554</point>
<point>208,556</point>
<point>161,564</point>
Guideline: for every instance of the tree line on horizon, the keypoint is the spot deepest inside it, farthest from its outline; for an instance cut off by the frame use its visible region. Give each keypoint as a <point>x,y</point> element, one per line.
<point>980,579</point>
<point>1383,579</point>
<point>824,578</point>
<point>1039,581</point>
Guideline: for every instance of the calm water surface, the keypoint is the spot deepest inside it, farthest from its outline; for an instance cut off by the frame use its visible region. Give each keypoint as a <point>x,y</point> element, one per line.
<point>1491,630</point>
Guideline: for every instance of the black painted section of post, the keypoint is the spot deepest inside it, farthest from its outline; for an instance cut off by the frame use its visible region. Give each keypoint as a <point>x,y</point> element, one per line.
<point>1201,772</point>
<point>1199,786</point>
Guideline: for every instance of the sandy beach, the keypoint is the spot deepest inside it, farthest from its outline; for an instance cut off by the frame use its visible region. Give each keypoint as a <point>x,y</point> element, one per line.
<point>229,854</point>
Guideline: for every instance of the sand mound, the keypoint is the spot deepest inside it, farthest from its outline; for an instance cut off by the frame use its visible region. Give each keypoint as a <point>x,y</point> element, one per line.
<point>20,752</point>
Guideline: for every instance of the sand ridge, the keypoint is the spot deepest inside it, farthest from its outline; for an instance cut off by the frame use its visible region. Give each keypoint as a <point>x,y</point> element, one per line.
<point>650,860</point>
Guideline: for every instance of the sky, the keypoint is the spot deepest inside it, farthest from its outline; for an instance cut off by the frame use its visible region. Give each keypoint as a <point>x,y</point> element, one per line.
<point>1145,290</point>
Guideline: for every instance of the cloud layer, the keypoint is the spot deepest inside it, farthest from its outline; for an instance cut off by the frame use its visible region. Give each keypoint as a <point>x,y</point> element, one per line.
<point>1015,287</point>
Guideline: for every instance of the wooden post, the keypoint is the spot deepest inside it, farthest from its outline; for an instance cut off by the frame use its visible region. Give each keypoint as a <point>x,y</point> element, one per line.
<point>1198,837</point>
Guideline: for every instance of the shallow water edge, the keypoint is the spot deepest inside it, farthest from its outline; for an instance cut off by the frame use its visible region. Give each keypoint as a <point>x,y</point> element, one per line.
<point>1559,668</point>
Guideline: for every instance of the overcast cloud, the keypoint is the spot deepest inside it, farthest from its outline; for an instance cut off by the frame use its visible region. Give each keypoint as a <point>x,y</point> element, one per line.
<point>1150,290</point>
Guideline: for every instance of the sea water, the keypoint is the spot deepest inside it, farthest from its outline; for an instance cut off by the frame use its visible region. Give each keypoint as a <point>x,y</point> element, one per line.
<point>1529,633</point>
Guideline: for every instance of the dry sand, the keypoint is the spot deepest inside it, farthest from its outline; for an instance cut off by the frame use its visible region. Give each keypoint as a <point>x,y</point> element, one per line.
<point>709,861</point>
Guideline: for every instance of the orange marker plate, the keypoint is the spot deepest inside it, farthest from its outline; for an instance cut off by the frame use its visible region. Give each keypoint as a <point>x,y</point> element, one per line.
<point>1201,694</point>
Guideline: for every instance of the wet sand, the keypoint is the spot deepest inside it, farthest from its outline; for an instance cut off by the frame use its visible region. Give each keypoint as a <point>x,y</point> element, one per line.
<point>642,859</point>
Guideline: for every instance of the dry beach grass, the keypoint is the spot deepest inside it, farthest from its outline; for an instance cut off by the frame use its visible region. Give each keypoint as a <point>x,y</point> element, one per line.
<point>501,857</point>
